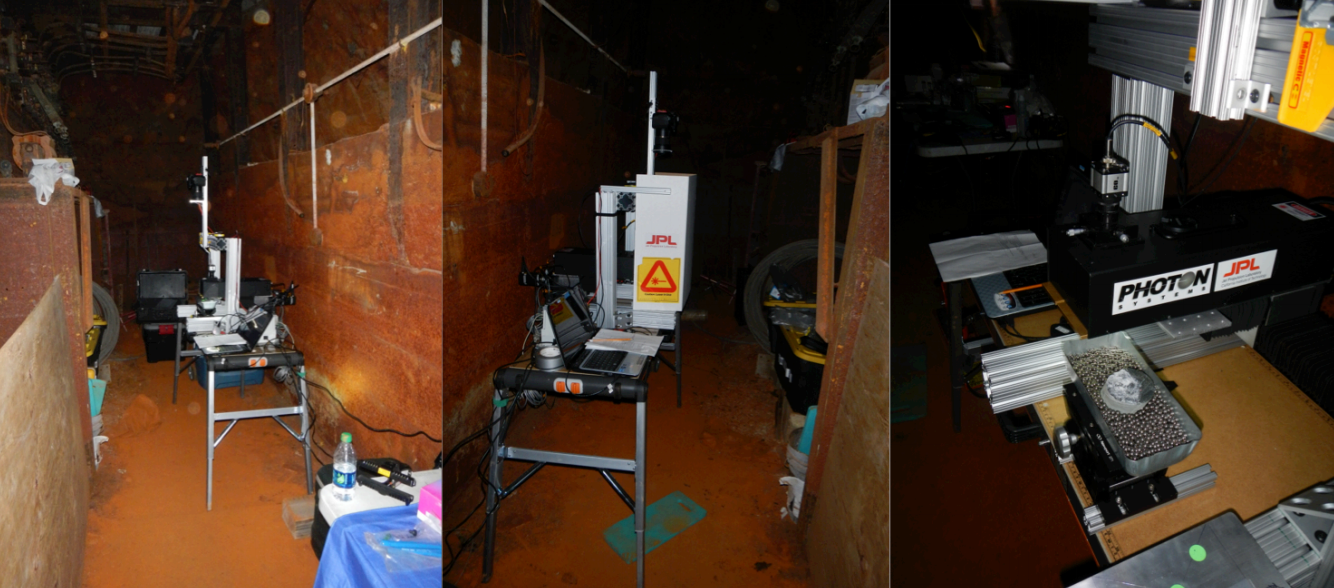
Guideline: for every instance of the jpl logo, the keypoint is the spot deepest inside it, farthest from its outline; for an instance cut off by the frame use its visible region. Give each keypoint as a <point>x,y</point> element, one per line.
<point>1244,264</point>
<point>660,240</point>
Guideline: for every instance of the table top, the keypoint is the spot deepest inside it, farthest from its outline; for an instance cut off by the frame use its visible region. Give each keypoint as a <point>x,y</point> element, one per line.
<point>1263,436</point>
<point>987,146</point>
<point>366,499</point>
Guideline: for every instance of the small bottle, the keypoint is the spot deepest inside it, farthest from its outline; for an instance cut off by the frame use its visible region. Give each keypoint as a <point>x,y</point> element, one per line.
<point>345,469</point>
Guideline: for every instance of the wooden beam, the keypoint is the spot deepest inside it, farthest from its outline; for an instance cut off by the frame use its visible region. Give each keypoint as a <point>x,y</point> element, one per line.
<point>105,33</point>
<point>210,36</point>
<point>291,61</point>
<point>867,241</point>
<point>238,95</point>
<point>824,281</point>
<point>171,42</point>
<point>85,262</point>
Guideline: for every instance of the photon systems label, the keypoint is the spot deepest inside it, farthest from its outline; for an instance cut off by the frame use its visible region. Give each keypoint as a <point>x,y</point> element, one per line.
<point>1165,288</point>
<point>1242,271</point>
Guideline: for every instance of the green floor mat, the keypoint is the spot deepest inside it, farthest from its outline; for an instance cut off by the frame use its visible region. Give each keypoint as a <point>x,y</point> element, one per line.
<point>664,519</point>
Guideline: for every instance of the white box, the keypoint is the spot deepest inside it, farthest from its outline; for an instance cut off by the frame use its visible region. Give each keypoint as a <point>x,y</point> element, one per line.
<point>664,242</point>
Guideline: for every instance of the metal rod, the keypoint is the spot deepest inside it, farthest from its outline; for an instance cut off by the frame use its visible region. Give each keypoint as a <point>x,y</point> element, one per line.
<point>567,22</point>
<point>528,473</point>
<point>360,66</point>
<point>615,487</point>
<point>314,198</point>
<point>486,56</point>
<point>652,106</point>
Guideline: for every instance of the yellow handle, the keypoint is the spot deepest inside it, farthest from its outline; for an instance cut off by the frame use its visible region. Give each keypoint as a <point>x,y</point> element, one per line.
<point>1308,90</point>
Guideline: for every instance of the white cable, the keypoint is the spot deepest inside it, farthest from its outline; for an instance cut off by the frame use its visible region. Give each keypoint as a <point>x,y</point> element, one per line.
<point>314,199</point>
<point>486,53</point>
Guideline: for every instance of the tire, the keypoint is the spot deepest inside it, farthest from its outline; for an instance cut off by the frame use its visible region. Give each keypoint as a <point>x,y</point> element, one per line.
<point>787,257</point>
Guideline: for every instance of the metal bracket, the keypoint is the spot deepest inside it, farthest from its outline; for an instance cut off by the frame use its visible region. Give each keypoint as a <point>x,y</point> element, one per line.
<point>1248,94</point>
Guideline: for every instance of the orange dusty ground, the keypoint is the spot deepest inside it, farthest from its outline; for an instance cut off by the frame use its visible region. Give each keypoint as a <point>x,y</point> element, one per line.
<point>148,526</point>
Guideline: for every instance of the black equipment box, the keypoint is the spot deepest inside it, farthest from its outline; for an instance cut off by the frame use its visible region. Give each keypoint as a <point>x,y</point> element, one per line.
<point>799,376</point>
<point>251,288</point>
<point>160,341</point>
<point>159,292</point>
<point>583,263</point>
<point>1244,246</point>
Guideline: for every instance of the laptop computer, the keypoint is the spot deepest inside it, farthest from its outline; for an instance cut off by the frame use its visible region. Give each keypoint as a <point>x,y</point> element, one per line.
<point>1012,292</point>
<point>573,328</point>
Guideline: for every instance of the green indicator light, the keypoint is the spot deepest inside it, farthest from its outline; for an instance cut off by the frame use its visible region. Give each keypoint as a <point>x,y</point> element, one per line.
<point>1197,553</point>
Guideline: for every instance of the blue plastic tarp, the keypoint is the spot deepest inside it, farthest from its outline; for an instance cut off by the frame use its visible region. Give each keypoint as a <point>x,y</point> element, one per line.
<point>348,562</point>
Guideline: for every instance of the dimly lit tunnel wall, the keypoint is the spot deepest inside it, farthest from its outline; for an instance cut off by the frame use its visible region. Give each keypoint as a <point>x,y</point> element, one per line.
<point>521,209</point>
<point>135,139</point>
<point>368,311</point>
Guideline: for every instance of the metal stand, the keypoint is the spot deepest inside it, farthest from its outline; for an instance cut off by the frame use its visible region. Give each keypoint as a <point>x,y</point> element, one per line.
<point>500,452</point>
<point>235,416</point>
<point>675,364</point>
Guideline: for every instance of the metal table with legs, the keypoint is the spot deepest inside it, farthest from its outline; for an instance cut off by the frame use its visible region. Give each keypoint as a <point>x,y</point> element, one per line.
<point>260,358</point>
<point>574,384</point>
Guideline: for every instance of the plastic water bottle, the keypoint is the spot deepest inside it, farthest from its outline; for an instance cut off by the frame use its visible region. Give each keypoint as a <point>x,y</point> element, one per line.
<point>345,469</point>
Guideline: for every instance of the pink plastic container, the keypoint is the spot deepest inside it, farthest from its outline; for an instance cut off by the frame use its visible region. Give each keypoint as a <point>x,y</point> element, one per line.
<point>429,502</point>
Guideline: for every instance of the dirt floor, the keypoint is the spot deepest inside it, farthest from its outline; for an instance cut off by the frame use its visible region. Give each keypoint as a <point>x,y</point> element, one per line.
<point>148,526</point>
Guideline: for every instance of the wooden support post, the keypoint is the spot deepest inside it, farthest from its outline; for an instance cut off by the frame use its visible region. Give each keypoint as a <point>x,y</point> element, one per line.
<point>85,261</point>
<point>238,96</point>
<point>867,241</point>
<point>824,280</point>
<point>291,61</point>
<point>171,43</point>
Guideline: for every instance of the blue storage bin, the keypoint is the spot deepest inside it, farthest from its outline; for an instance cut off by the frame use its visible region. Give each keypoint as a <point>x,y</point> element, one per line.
<point>230,379</point>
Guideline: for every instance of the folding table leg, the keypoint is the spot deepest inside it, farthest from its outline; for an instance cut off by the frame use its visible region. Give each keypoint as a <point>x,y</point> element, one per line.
<point>641,411</point>
<point>493,474</point>
<point>305,428</point>
<point>678,361</point>
<point>209,492</point>
<point>176,373</point>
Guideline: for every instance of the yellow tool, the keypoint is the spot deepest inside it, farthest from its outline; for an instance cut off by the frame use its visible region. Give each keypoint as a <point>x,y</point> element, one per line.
<point>1308,87</point>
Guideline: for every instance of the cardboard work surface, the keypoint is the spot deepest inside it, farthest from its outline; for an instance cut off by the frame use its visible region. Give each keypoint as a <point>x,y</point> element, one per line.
<point>1265,438</point>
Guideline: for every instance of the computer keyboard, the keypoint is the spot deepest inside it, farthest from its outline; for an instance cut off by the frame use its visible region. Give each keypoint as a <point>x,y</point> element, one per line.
<point>1026,276</point>
<point>603,360</point>
<point>1034,297</point>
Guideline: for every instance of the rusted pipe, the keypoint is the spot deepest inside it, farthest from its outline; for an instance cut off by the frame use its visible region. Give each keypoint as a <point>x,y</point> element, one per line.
<point>541,98</point>
<point>282,165</point>
<point>417,117</point>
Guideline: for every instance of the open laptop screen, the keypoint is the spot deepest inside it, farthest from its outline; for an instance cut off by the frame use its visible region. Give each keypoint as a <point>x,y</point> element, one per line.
<point>569,322</point>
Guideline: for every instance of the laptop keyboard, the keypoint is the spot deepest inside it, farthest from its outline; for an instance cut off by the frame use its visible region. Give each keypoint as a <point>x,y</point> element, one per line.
<point>1026,276</point>
<point>1034,297</point>
<point>603,360</point>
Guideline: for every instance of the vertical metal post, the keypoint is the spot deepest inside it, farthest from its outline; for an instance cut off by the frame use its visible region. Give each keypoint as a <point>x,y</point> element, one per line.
<point>652,107</point>
<point>209,492</point>
<point>232,278</point>
<point>486,56</point>
<point>641,412</point>
<point>314,199</point>
<point>1140,146</point>
<point>606,257</point>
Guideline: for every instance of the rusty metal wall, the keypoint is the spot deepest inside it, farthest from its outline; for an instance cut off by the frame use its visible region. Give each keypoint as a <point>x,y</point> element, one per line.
<point>40,243</point>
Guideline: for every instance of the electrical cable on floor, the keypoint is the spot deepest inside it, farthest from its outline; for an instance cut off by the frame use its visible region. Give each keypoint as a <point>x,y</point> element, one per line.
<point>358,419</point>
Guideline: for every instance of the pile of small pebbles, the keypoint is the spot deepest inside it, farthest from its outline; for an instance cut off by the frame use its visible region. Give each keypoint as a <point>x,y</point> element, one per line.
<point>1149,430</point>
